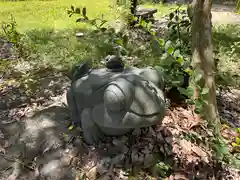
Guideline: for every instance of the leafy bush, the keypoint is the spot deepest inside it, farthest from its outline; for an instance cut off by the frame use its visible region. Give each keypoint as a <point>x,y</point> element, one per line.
<point>12,35</point>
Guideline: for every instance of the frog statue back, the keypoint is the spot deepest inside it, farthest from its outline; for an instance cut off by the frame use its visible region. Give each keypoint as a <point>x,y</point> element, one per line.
<point>115,100</point>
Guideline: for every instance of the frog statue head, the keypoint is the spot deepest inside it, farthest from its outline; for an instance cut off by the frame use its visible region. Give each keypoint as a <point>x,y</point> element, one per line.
<point>115,100</point>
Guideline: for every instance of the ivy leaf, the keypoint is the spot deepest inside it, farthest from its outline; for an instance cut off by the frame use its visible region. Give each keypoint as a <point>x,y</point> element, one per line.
<point>171,15</point>
<point>84,11</point>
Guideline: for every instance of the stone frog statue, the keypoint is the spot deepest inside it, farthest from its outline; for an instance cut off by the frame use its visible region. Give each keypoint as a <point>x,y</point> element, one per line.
<point>115,100</point>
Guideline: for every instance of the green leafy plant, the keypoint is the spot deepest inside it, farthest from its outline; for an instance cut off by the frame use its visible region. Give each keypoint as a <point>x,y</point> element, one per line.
<point>10,32</point>
<point>97,22</point>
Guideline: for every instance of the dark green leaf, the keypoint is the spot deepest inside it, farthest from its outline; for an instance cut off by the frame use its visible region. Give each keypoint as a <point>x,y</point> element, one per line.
<point>102,23</point>
<point>72,7</point>
<point>78,11</point>
<point>171,15</point>
<point>183,91</point>
<point>82,20</point>
<point>125,40</point>
<point>69,12</point>
<point>176,18</point>
<point>84,11</point>
<point>190,91</point>
<point>198,106</point>
<point>103,29</point>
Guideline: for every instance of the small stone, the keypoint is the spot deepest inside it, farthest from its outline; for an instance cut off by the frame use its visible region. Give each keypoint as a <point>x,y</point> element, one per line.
<point>92,173</point>
<point>101,169</point>
<point>51,167</point>
<point>79,34</point>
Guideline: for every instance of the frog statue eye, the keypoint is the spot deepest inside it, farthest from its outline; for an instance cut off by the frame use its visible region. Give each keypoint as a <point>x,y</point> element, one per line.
<point>118,94</point>
<point>114,99</point>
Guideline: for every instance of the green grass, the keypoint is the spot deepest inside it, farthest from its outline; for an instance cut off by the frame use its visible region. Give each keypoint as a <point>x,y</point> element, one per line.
<point>52,14</point>
<point>51,33</point>
<point>49,14</point>
<point>51,37</point>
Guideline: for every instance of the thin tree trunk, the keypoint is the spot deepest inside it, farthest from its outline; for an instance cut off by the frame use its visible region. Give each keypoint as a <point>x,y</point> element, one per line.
<point>133,6</point>
<point>202,59</point>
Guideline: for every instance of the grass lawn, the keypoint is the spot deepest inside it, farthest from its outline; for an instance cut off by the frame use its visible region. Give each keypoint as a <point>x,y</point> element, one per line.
<point>50,14</point>
<point>51,33</point>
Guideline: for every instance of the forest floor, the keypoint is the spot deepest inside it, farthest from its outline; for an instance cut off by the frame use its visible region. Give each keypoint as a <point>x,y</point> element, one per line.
<point>176,149</point>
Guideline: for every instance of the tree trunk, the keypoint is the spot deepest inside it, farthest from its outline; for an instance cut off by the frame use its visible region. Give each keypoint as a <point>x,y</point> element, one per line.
<point>133,6</point>
<point>238,6</point>
<point>202,59</point>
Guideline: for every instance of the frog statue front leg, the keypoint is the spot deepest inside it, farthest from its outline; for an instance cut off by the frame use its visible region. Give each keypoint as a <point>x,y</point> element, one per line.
<point>75,115</point>
<point>83,117</point>
<point>91,132</point>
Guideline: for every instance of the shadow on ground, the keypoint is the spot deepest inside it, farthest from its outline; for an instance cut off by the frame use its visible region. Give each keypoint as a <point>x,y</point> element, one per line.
<point>48,149</point>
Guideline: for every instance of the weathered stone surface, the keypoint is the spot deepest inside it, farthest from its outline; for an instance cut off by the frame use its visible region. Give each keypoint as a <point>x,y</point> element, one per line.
<point>115,100</point>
